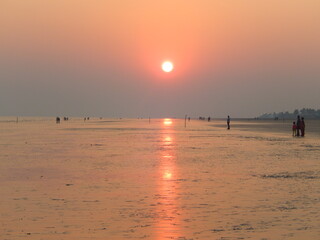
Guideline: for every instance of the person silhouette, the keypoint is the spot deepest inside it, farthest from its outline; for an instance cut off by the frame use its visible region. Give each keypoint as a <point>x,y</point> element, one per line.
<point>302,127</point>
<point>298,126</point>
<point>294,129</point>
<point>228,122</point>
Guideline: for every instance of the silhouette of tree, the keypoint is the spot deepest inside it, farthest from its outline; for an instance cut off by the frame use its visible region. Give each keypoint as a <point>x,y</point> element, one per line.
<point>308,113</point>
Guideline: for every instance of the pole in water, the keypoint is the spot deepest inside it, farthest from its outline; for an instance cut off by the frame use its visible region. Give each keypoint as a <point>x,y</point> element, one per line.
<point>185,121</point>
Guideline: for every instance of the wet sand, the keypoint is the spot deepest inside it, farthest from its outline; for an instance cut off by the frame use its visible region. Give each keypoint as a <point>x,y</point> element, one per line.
<point>128,179</point>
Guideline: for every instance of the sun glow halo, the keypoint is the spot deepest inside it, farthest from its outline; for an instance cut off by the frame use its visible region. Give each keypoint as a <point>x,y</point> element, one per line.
<point>167,66</point>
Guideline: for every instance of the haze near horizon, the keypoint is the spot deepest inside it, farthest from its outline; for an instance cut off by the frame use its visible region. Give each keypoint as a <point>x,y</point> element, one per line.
<point>104,58</point>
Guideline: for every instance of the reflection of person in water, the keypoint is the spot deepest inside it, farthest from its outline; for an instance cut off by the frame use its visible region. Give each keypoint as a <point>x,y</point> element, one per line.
<point>228,122</point>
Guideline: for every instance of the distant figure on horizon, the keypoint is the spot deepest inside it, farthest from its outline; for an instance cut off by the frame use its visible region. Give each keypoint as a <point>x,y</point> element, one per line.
<point>298,126</point>
<point>294,129</point>
<point>228,122</point>
<point>302,127</point>
<point>209,119</point>
<point>57,120</point>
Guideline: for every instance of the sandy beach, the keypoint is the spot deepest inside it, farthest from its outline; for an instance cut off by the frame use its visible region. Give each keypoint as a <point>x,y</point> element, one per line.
<point>131,179</point>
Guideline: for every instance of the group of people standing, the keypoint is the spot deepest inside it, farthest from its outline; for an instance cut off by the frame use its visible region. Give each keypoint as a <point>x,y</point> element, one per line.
<point>298,128</point>
<point>64,118</point>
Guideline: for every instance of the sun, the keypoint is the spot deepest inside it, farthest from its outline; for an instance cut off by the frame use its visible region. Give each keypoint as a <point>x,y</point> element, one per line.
<point>167,66</point>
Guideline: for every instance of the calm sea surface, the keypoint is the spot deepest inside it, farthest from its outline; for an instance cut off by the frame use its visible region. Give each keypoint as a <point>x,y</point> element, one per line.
<point>131,179</point>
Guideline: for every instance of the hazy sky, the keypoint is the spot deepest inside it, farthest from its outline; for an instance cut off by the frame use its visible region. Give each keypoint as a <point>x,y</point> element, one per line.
<point>103,57</point>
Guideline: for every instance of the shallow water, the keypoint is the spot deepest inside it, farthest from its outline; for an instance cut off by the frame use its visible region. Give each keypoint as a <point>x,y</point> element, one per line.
<point>131,179</point>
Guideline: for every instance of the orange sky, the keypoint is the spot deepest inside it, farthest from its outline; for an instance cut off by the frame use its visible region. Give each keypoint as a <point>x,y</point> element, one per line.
<point>111,52</point>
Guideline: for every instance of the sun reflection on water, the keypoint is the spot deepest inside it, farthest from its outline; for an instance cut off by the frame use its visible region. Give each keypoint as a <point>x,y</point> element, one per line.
<point>167,122</point>
<point>167,175</point>
<point>168,209</point>
<point>167,140</point>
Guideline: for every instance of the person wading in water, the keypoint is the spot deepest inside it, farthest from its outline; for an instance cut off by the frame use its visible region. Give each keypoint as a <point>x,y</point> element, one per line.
<point>228,122</point>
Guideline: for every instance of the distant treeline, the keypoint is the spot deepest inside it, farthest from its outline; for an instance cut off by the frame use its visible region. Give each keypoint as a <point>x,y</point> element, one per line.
<point>308,113</point>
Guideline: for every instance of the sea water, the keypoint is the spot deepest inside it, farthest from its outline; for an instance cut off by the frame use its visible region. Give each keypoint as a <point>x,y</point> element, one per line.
<point>158,179</point>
